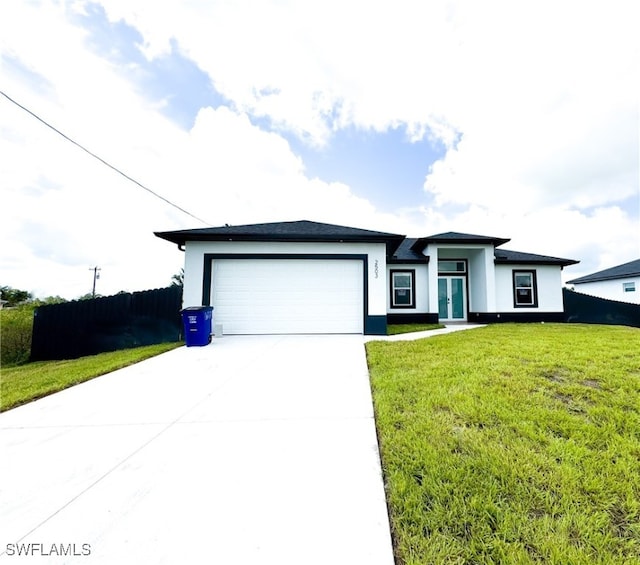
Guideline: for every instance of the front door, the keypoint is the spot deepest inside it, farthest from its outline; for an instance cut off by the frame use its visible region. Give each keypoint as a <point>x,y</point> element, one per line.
<point>452,299</point>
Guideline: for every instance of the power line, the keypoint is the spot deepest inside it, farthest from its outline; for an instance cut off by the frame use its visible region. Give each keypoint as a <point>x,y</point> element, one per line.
<point>102,160</point>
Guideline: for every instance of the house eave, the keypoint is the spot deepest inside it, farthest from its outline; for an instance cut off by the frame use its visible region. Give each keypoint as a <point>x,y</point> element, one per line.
<point>181,238</point>
<point>422,242</point>
<point>554,262</point>
<point>400,261</point>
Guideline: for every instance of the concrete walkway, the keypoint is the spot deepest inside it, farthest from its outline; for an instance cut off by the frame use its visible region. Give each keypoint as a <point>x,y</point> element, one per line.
<point>252,450</point>
<point>448,328</point>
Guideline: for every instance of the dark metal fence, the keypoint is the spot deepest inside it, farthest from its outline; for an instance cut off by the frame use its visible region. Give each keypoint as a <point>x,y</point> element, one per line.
<point>86,327</point>
<point>585,309</point>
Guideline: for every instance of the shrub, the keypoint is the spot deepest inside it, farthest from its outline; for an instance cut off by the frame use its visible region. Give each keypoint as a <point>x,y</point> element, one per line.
<point>16,325</point>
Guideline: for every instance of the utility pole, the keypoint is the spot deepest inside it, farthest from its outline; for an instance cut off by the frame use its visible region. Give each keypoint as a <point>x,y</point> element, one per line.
<point>96,276</point>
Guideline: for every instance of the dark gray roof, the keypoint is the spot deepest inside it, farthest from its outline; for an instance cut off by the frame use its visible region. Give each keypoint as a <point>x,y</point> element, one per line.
<point>406,254</point>
<point>506,256</point>
<point>284,231</point>
<point>399,248</point>
<point>626,270</point>
<point>457,237</point>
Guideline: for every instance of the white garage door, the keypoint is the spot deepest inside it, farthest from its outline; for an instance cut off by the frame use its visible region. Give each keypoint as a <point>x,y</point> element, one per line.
<point>270,296</point>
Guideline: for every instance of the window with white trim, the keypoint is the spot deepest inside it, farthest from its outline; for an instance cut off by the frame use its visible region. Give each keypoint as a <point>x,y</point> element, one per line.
<point>403,289</point>
<point>525,291</point>
<point>629,287</point>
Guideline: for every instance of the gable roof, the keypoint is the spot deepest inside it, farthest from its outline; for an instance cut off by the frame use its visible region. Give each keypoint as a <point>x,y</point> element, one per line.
<point>626,270</point>
<point>302,230</point>
<point>503,256</point>
<point>457,238</point>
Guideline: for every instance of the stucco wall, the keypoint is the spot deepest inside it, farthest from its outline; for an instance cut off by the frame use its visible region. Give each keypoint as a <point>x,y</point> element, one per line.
<point>549,286</point>
<point>479,282</point>
<point>421,290</point>
<point>376,276</point>
<point>611,290</point>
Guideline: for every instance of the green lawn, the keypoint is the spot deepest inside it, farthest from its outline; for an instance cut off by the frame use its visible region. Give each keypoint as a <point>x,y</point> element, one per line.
<point>394,329</point>
<point>512,444</point>
<point>24,383</point>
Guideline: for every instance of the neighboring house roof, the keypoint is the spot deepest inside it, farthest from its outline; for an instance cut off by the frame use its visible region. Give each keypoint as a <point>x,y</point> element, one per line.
<point>624,271</point>
<point>457,238</point>
<point>504,256</point>
<point>284,231</point>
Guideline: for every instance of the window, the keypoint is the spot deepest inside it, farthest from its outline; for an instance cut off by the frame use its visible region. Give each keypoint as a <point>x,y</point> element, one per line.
<point>525,292</point>
<point>629,287</point>
<point>403,289</point>
<point>452,266</point>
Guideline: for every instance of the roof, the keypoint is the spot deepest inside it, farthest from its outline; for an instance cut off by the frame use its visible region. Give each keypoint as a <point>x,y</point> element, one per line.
<point>505,256</point>
<point>302,230</point>
<point>399,248</point>
<point>406,254</point>
<point>624,271</point>
<point>457,238</point>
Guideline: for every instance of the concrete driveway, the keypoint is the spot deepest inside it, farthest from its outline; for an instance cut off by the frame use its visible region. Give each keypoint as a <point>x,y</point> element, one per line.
<point>252,450</point>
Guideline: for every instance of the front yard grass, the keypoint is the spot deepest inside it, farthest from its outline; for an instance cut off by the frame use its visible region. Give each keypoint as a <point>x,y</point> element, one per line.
<point>512,444</point>
<point>24,383</point>
<point>394,329</point>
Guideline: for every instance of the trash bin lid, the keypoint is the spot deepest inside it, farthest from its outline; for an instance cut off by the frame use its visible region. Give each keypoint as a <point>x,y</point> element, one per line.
<point>196,308</point>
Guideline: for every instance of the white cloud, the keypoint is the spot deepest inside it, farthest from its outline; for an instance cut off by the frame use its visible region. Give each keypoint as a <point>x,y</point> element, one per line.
<point>545,96</point>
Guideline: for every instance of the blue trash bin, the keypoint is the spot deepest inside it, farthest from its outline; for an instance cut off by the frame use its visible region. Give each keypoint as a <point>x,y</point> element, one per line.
<point>197,321</point>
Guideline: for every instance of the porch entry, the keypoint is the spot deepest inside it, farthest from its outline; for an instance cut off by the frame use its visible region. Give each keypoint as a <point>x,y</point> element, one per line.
<point>452,290</point>
<point>452,299</point>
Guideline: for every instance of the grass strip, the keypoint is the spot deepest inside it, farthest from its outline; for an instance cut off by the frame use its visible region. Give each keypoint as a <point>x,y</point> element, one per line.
<point>512,444</point>
<point>394,329</point>
<point>24,383</point>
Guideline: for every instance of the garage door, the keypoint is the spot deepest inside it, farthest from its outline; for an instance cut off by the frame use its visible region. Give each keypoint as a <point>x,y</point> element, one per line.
<point>264,296</point>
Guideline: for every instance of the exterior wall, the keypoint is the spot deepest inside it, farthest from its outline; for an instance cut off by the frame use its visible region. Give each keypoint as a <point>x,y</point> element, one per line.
<point>489,286</point>
<point>611,290</point>
<point>421,289</point>
<point>479,281</point>
<point>376,275</point>
<point>549,288</point>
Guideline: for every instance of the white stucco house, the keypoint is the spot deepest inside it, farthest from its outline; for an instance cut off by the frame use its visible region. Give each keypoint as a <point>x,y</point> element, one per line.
<point>621,283</point>
<point>310,277</point>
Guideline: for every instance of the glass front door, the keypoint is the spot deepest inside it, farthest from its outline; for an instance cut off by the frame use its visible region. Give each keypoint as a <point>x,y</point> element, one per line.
<point>452,299</point>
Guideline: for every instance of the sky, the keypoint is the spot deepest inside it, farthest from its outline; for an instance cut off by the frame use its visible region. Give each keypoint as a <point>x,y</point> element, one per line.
<point>500,118</point>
